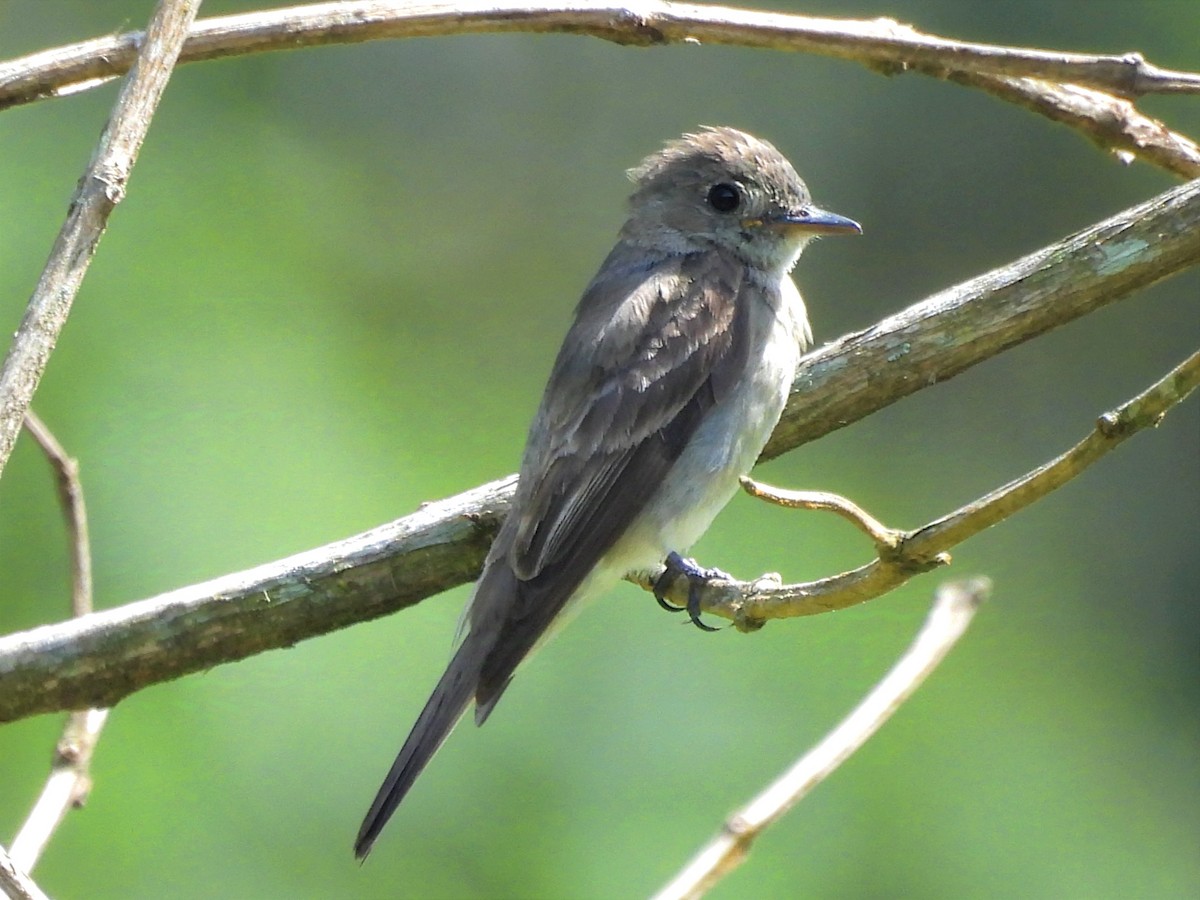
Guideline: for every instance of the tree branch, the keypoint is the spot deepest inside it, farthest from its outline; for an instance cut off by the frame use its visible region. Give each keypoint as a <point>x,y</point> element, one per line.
<point>15,884</point>
<point>70,497</point>
<point>1110,123</point>
<point>100,189</point>
<point>69,782</point>
<point>954,607</point>
<point>903,554</point>
<point>96,660</point>
<point>882,44</point>
<point>941,336</point>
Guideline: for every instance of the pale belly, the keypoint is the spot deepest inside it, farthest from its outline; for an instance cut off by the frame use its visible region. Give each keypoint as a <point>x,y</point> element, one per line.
<point>723,449</point>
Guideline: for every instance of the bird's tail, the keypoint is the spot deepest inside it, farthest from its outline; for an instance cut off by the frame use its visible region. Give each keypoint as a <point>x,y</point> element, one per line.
<point>441,713</point>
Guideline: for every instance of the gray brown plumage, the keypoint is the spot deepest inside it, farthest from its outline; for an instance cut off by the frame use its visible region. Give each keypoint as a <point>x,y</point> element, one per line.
<point>669,381</point>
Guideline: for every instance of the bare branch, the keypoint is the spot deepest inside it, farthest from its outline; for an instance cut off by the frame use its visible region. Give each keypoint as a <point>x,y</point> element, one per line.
<point>905,554</point>
<point>100,189</point>
<point>15,884</point>
<point>70,495</point>
<point>954,607</point>
<point>69,782</point>
<point>96,660</point>
<point>882,44</point>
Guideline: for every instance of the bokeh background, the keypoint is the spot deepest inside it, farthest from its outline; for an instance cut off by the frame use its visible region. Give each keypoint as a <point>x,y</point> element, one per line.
<point>335,290</point>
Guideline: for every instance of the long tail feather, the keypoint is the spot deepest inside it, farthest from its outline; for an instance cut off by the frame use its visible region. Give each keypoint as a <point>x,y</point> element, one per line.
<point>441,713</point>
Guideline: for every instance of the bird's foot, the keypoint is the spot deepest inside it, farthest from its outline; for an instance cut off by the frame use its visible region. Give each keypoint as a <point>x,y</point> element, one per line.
<point>697,577</point>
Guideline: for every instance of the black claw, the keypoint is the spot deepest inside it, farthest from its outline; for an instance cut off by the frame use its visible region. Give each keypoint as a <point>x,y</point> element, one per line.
<point>663,582</point>
<point>669,607</point>
<point>693,607</point>
<point>696,576</point>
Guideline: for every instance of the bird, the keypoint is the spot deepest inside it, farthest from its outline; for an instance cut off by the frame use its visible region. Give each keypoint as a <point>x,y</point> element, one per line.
<point>670,379</point>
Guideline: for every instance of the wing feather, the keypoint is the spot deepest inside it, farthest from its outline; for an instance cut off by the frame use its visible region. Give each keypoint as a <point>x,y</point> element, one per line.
<point>617,412</point>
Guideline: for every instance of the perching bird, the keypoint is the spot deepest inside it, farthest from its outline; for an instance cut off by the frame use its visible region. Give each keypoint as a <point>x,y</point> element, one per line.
<point>667,386</point>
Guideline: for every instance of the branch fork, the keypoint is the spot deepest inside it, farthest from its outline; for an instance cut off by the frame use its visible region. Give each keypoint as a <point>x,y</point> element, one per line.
<point>903,554</point>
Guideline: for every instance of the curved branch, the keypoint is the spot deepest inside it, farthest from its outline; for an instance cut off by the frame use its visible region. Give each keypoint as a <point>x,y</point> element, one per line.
<point>903,555</point>
<point>882,44</point>
<point>98,659</point>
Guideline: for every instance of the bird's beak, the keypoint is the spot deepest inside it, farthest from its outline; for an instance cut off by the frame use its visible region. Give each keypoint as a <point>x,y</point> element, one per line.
<point>811,221</point>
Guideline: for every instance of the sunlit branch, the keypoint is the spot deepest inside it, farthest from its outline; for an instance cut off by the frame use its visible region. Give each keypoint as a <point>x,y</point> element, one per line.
<point>100,658</point>
<point>882,44</point>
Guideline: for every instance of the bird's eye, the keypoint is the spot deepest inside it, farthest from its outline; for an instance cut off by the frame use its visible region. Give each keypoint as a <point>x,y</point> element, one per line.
<point>724,197</point>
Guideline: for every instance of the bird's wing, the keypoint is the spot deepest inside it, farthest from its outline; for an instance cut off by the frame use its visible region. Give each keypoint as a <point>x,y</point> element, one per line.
<point>651,352</point>
<point>649,355</point>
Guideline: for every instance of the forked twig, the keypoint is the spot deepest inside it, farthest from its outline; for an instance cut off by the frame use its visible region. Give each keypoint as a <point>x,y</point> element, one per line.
<point>903,554</point>
<point>1112,123</point>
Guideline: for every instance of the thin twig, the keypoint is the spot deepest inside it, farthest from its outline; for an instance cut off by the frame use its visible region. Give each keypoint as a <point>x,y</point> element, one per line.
<point>882,44</point>
<point>886,540</point>
<point>70,495</point>
<point>905,554</point>
<point>69,782</point>
<point>954,606</point>
<point>101,658</point>
<point>100,189</point>
<point>15,883</point>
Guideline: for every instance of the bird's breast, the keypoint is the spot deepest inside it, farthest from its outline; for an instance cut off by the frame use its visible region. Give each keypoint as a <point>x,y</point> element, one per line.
<point>728,441</point>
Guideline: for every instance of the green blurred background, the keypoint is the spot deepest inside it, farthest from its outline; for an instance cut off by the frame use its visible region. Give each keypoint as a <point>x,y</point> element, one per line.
<point>335,290</point>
